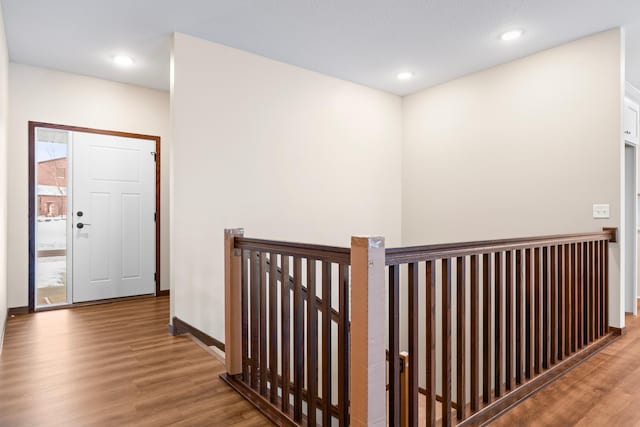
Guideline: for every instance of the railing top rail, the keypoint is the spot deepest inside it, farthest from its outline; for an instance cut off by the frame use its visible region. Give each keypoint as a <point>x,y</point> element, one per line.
<point>342,255</point>
<point>451,250</point>
<point>336,254</point>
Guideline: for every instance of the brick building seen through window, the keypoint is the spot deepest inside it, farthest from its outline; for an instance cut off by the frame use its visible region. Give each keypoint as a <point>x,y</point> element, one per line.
<point>52,187</point>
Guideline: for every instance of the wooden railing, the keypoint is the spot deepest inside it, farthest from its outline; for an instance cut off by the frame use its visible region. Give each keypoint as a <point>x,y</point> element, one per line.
<point>290,342</point>
<point>498,315</point>
<point>490,322</point>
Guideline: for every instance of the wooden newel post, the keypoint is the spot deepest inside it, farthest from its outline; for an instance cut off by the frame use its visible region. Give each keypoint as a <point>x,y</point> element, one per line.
<point>367,352</point>
<point>232,302</point>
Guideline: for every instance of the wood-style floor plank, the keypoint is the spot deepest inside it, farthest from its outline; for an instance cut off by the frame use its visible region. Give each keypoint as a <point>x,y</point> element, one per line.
<point>602,391</point>
<point>112,365</point>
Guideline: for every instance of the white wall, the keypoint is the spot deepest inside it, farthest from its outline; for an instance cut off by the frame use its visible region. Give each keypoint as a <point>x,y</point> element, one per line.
<point>44,95</point>
<point>283,152</point>
<point>521,149</point>
<point>4,100</point>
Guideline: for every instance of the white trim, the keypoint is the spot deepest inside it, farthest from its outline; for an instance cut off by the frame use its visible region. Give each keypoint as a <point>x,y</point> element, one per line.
<point>630,138</point>
<point>631,248</point>
<point>632,92</point>
<point>70,216</point>
<point>617,302</point>
<point>46,190</point>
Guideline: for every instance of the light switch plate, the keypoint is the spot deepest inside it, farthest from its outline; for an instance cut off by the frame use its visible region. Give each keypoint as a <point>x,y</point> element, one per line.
<point>601,211</point>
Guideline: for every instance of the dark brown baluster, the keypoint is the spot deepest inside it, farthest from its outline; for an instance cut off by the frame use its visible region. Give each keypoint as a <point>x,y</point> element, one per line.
<point>590,294</point>
<point>546,304</point>
<point>602,296</point>
<point>590,273</point>
<point>244,295</point>
<point>574,290</point>
<point>446,342</point>
<point>285,318</point>
<point>273,328</point>
<point>586,268</point>
<point>487,280</point>
<point>312,343</point>
<point>519,319</point>
<point>460,344</point>
<point>255,318</point>
<point>606,286</point>
<point>394,345</point>
<point>430,356</point>
<point>499,327</point>
<point>592,306</point>
<point>596,288</point>
<point>561,302</point>
<point>413,315</point>
<point>326,343</point>
<point>585,279</point>
<point>577,278</point>
<point>509,321</point>
<point>594,294</point>
<point>567,300</point>
<point>601,287</point>
<point>475,332</point>
<point>298,340</point>
<point>579,285</point>
<point>528,326</point>
<point>537,359</point>
<point>343,346</point>
<point>263,324</point>
<point>553,278</point>
<point>587,292</point>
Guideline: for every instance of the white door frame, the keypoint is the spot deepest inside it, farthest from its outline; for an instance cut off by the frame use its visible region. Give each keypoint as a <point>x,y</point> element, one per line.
<point>631,227</point>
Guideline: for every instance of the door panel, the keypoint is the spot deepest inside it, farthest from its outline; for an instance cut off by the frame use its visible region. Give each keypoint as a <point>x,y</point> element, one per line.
<point>131,259</point>
<point>98,255</point>
<point>115,164</point>
<point>114,199</point>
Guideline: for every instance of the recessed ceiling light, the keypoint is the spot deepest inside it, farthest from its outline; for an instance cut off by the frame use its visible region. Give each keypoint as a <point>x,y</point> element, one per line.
<point>511,35</point>
<point>405,75</point>
<point>123,60</point>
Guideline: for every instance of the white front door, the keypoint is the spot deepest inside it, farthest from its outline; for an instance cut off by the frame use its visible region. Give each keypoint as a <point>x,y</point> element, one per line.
<point>114,237</point>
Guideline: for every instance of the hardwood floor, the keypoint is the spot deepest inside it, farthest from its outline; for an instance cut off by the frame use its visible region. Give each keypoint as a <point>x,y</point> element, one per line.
<point>112,365</point>
<point>602,391</point>
<point>116,365</point>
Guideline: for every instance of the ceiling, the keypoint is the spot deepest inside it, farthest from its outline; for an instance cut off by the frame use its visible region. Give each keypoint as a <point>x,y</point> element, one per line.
<point>364,41</point>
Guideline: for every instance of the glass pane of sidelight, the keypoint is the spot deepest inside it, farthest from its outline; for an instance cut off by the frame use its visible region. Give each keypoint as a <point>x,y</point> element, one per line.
<point>51,172</point>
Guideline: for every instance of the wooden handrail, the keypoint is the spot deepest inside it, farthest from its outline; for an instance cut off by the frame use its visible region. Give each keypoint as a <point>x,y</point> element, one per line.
<point>341,255</point>
<point>334,254</point>
<point>451,250</point>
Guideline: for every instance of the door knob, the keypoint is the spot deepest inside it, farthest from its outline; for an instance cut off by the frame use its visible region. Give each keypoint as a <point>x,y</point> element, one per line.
<point>81,225</point>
